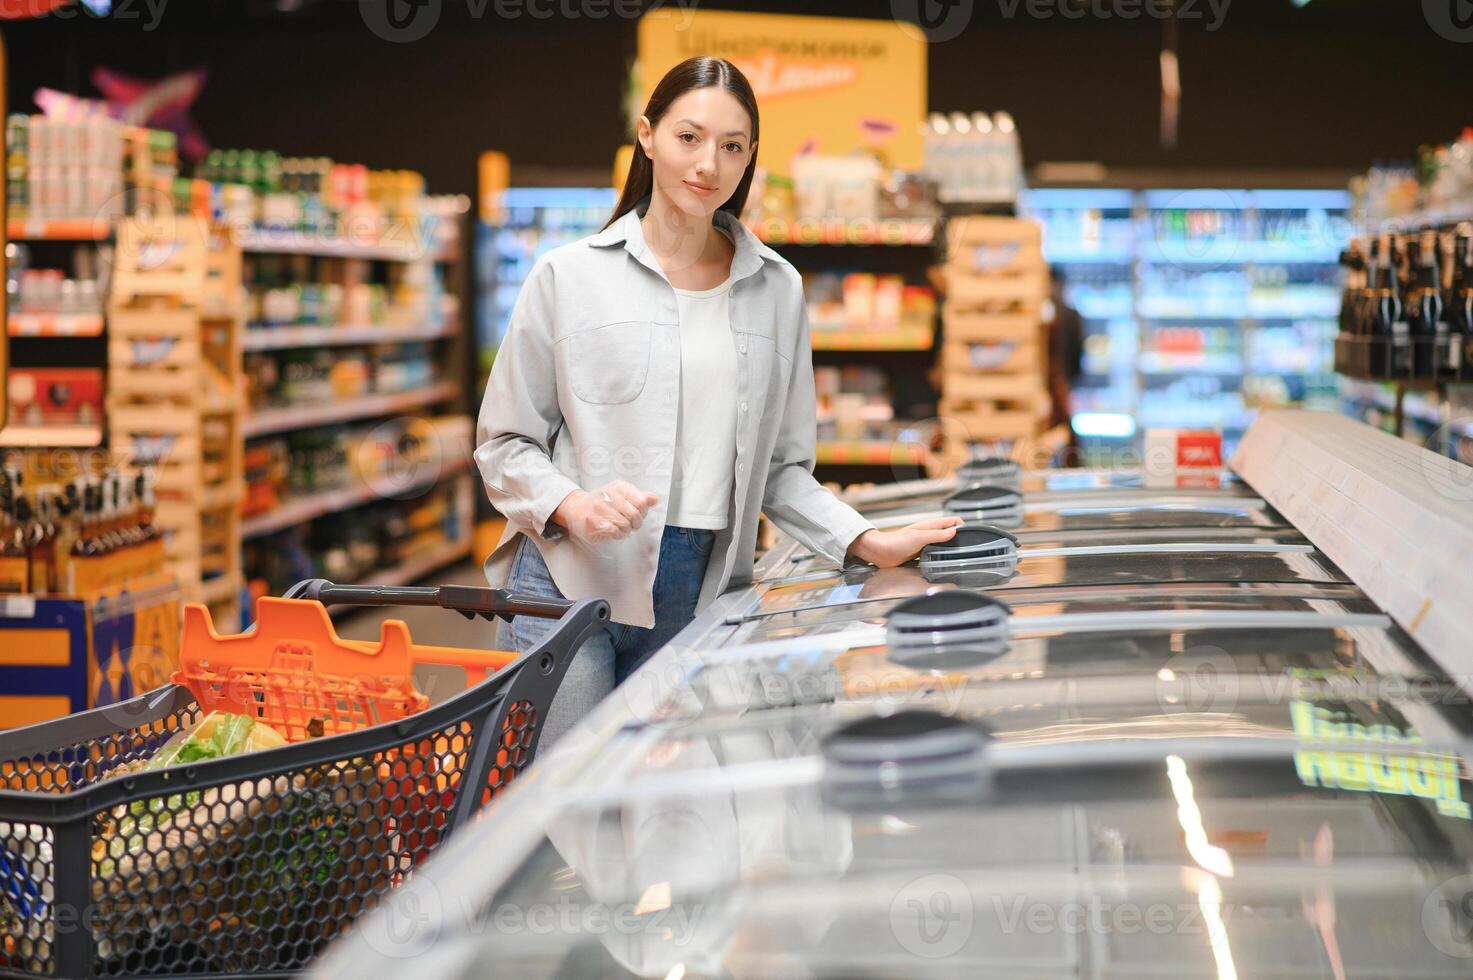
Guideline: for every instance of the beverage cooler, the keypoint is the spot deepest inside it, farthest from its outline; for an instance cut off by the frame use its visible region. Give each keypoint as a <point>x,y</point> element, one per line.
<point>1100,706</point>
<point>1200,306</point>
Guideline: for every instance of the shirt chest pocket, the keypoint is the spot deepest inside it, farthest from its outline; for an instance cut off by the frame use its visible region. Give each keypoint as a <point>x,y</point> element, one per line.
<point>608,365</point>
<point>767,369</point>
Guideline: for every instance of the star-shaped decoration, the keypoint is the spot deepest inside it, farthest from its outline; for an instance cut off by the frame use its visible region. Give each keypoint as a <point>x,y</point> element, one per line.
<point>161,104</point>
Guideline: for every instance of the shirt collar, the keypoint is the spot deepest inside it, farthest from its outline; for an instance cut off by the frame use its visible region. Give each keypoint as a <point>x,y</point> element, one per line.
<point>748,258</point>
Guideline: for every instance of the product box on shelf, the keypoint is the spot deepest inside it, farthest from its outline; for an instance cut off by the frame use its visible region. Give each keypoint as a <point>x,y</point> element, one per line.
<point>63,654</point>
<point>55,395</point>
<point>1183,458</point>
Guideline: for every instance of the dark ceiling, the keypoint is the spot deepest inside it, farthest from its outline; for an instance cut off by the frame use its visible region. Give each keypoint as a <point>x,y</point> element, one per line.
<point>1326,88</point>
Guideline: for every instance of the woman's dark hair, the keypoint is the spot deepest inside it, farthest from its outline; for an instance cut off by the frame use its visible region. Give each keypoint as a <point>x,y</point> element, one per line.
<point>689,75</point>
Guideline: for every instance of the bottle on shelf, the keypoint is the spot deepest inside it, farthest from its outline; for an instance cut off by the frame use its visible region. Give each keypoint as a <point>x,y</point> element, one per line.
<point>15,567</point>
<point>1353,293</point>
<point>1365,311</point>
<point>67,505</point>
<point>1390,314</point>
<point>1425,324</point>
<point>1460,298</point>
<point>111,528</point>
<point>42,577</point>
<point>45,538</point>
<point>84,546</point>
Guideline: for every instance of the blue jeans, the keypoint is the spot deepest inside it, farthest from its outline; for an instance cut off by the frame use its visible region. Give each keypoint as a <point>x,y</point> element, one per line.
<point>609,656</point>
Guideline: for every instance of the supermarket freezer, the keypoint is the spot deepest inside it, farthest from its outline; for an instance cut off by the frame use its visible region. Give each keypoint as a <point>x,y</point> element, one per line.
<point>982,556</point>
<point>1214,756</point>
<point>1079,508</point>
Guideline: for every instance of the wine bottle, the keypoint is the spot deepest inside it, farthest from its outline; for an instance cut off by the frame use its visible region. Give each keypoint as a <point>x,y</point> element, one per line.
<point>1460,300</point>
<point>1355,284</point>
<point>1425,324</point>
<point>15,569</point>
<point>1390,316</point>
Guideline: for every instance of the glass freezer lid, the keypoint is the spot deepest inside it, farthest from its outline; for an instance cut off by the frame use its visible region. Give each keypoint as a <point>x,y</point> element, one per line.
<point>904,510</point>
<point>1033,482</point>
<point>1038,481</point>
<point>799,609</point>
<point>1226,660</point>
<point>1080,540</point>
<point>983,569</point>
<point>733,849</point>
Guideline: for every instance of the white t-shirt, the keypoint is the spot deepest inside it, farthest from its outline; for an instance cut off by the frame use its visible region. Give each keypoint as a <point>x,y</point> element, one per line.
<point>705,432</point>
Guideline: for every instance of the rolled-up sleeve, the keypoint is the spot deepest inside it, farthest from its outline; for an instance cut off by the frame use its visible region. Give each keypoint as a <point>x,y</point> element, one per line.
<point>520,414</point>
<point>793,499</point>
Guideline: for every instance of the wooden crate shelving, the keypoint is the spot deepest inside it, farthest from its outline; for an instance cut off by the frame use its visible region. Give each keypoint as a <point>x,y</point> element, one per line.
<point>174,350</point>
<point>994,360</point>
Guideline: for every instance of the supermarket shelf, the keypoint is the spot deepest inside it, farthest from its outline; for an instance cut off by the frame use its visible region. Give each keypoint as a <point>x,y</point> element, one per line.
<point>1146,314</point>
<point>367,406</point>
<point>1243,253</point>
<point>1152,363</point>
<point>50,436</point>
<point>841,453</point>
<point>40,229</point>
<point>297,243</point>
<point>304,509</point>
<point>888,232</point>
<point>283,338</point>
<point>417,568</point>
<point>1324,313</point>
<point>55,325</point>
<point>895,338</point>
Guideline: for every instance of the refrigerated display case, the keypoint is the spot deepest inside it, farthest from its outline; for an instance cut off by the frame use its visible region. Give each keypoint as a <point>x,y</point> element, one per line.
<point>1200,306</point>
<point>855,772</point>
<point>537,220</point>
<point>1091,236</point>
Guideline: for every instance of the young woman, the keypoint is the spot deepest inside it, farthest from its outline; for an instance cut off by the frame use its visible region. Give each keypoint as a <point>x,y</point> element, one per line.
<point>654,393</point>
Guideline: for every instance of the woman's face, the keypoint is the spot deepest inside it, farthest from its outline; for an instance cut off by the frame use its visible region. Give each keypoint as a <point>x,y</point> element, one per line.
<point>699,150</point>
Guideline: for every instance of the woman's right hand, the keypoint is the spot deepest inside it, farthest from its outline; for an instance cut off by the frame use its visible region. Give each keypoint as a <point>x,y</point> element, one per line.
<point>606,514</point>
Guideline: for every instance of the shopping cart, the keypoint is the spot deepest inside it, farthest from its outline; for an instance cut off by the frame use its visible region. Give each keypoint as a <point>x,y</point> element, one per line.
<point>249,865</point>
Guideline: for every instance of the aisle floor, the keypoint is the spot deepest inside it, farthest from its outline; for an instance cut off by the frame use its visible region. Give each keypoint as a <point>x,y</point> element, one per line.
<point>433,626</point>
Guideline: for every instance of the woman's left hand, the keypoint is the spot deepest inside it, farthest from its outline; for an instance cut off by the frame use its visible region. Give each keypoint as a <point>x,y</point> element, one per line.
<point>886,549</point>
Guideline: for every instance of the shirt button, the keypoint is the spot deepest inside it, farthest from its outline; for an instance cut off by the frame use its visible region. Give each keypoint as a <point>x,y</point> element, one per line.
<point>739,467</point>
<point>741,348</point>
<point>744,406</point>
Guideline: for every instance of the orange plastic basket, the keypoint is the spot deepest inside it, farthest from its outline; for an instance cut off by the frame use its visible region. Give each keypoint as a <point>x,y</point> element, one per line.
<point>294,673</point>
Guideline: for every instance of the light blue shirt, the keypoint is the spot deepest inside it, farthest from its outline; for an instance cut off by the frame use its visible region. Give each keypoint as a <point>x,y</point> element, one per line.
<point>584,391</point>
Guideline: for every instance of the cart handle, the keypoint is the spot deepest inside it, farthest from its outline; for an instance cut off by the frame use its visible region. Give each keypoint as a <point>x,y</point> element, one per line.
<point>468,600</point>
